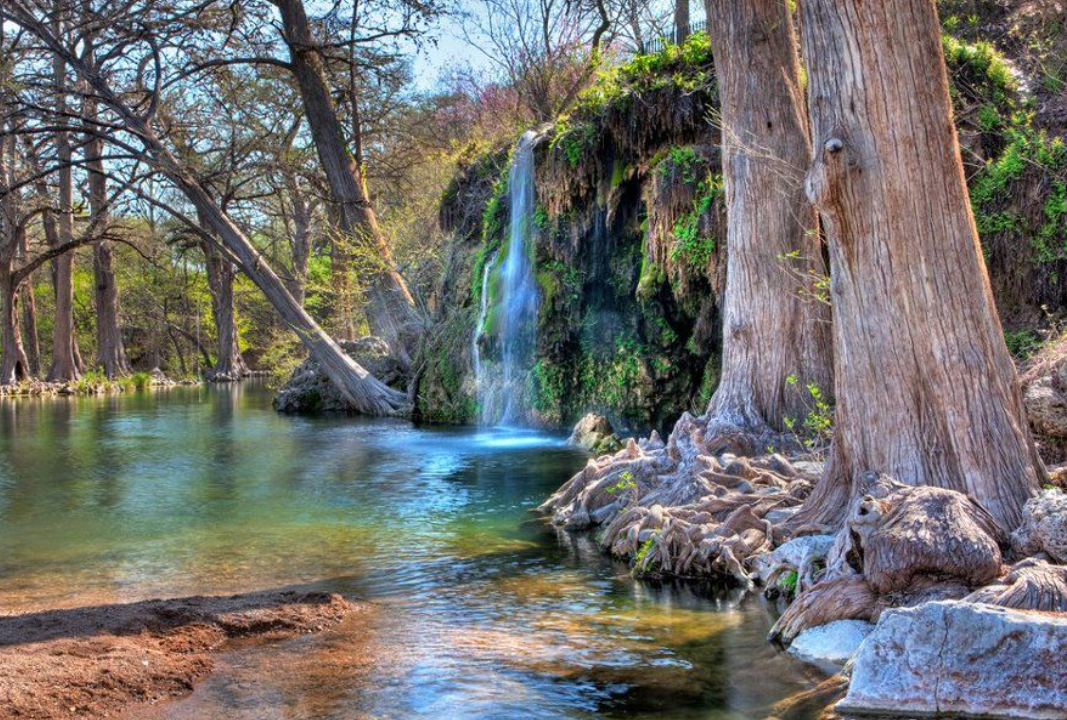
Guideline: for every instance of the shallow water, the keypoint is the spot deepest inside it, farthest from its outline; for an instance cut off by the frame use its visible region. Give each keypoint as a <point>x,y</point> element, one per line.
<point>477,608</point>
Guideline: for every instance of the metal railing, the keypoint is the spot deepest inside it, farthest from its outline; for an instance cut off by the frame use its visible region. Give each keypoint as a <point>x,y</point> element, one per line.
<point>658,44</point>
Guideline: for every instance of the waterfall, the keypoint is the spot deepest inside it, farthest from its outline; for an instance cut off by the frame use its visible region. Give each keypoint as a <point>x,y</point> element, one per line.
<point>480,374</point>
<point>503,391</point>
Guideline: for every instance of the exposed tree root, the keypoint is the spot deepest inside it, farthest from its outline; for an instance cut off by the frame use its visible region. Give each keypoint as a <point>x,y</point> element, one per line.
<point>678,508</point>
<point>1032,584</point>
<point>849,598</point>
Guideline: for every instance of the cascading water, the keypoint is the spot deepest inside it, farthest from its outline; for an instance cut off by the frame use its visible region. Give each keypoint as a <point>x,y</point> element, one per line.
<point>481,378</point>
<point>502,393</point>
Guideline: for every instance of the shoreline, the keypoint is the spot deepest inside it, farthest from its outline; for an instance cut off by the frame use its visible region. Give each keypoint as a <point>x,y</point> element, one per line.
<point>105,660</point>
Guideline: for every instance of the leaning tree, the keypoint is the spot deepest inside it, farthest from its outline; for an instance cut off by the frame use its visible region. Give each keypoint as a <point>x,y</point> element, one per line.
<point>926,390</point>
<point>133,124</point>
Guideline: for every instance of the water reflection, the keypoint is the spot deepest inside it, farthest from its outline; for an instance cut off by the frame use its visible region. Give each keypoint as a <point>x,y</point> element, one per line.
<point>477,609</point>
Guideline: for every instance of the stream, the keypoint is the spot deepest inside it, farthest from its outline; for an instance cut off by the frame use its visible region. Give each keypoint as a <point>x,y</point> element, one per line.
<point>476,608</point>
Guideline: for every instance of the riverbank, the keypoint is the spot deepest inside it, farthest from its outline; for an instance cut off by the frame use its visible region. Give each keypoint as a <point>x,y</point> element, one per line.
<point>95,662</point>
<point>92,384</point>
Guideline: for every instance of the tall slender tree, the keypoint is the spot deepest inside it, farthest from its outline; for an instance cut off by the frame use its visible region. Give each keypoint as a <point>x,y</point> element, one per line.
<point>926,390</point>
<point>229,364</point>
<point>110,351</point>
<point>775,334</point>
<point>64,361</point>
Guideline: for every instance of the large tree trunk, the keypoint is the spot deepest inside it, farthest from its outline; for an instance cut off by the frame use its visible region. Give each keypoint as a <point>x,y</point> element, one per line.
<point>30,335</point>
<point>775,333</point>
<point>64,364</point>
<point>110,352</point>
<point>926,390</point>
<point>229,365</point>
<point>390,308</point>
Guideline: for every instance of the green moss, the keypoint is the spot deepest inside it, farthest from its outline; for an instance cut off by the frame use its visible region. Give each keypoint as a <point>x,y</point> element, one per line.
<point>690,246</point>
<point>652,276</point>
<point>573,140</point>
<point>1029,151</point>
<point>619,172</point>
<point>981,59</point>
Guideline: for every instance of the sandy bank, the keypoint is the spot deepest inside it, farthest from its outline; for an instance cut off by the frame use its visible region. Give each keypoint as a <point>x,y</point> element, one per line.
<point>97,661</point>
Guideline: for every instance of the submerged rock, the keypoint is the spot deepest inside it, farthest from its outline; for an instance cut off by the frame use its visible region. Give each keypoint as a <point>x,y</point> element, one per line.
<point>961,658</point>
<point>831,644</point>
<point>310,391</point>
<point>595,433</point>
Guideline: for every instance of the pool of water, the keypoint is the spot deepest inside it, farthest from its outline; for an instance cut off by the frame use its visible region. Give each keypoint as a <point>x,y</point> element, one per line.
<point>477,608</point>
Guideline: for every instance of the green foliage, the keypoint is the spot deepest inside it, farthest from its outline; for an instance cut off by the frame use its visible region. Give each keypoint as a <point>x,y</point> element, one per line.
<point>787,582</point>
<point>981,60</point>
<point>815,430</point>
<point>686,68</point>
<point>644,558</point>
<point>139,381</point>
<point>1029,151</point>
<point>555,277</point>
<point>573,140</point>
<point>1021,343</point>
<point>680,158</point>
<point>690,246</point>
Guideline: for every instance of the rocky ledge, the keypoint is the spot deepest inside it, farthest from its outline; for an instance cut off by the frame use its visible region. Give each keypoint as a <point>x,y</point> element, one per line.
<point>308,390</point>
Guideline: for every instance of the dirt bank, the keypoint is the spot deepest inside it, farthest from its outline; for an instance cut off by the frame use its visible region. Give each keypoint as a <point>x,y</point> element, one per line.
<point>94,662</point>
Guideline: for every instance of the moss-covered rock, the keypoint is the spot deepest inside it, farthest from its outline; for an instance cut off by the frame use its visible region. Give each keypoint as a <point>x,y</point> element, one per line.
<point>630,233</point>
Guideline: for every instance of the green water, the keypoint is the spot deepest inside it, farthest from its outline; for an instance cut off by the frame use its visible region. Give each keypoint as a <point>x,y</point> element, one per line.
<point>477,608</point>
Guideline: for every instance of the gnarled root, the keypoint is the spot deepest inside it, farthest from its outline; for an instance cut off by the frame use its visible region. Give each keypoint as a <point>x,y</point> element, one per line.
<point>848,598</point>
<point>679,510</point>
<point>1033,584</point>
<point>928,531</point>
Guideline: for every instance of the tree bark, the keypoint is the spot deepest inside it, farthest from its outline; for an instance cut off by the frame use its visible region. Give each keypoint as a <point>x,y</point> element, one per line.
<point>14,365</point>
<point>390,308</point>
<point>926,391</point>
<point>681,21</point>
<point>774,330</point>
<point>229,365</point>
<point>110,351</point>
<point>64,364</point>
<point>301,241</point>
<point>30,334</point>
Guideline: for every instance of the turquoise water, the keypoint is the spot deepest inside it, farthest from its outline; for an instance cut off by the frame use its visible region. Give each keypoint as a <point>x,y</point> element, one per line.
<point>476,608</point>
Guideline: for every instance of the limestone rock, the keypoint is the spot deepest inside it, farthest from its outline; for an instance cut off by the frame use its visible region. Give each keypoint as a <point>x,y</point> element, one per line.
<point>1045,527</point>
<point>961,658</point>
<point>831,644</point>
<point>310,391</point>
<point>595,433</point>
<point>1046,407</point>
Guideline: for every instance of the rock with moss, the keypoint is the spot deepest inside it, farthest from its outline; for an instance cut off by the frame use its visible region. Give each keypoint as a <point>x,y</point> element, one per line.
<point>309,390</point>
<point>595,433</point>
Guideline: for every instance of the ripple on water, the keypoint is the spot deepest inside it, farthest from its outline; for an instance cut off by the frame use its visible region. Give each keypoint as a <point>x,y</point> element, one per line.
<point>476,609</point>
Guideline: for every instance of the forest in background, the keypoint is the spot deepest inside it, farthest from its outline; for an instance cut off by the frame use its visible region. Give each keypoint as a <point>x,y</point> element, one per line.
<point>233,112</point>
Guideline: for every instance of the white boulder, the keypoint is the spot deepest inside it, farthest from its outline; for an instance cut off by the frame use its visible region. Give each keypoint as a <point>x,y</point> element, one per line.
<point>831,644</point>
<point>962,658</point>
